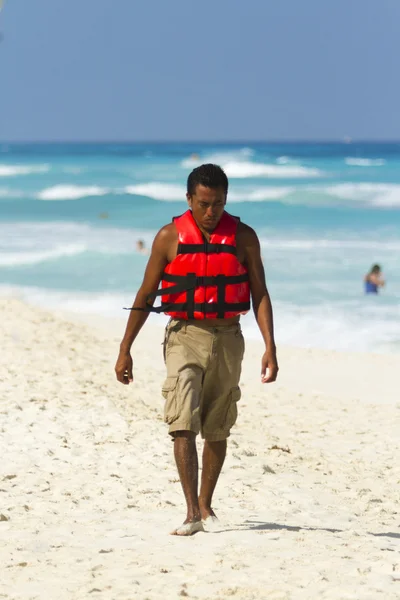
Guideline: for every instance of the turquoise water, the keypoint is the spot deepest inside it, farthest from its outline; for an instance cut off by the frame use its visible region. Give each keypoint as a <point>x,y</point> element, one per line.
<point>71,214</point>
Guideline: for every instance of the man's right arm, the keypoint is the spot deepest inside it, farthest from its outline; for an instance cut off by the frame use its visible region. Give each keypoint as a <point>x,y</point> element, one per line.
<point>155,267</point>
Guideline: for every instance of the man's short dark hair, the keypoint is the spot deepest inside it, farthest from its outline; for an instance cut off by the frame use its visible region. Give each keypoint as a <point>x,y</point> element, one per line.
<point>211,176</point>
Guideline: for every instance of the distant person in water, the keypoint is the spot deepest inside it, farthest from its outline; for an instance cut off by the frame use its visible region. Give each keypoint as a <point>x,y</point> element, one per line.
<point>373,280</point>
<point>141,248</point>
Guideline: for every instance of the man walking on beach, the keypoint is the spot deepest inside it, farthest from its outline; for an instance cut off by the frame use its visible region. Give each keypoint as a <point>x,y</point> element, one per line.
<point>209,265</point>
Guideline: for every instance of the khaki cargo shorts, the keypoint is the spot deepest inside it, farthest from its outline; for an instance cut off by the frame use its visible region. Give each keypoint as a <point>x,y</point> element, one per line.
<point>203,371</point>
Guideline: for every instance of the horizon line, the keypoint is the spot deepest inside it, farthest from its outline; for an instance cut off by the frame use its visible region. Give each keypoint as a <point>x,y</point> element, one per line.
<point>345,141</point>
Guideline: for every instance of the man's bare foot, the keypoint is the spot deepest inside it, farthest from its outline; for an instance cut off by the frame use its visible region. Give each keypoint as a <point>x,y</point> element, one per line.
<point>211,523</point>
<point>206,512</point>
<point>208,517</point>
<point>188,528</point>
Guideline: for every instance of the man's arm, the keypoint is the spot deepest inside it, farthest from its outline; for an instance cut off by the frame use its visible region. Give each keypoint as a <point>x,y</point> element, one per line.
<point>137,318</point>
<point>261,302</point>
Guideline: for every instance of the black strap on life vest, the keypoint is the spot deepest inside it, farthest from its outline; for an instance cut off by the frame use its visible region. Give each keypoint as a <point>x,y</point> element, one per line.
<point>206,248</point>
<point>188,283</point>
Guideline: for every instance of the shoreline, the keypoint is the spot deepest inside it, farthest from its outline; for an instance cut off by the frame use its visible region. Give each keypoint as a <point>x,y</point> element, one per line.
<point>106,321</point>
<point>307,500</point>
<point>314,359</point>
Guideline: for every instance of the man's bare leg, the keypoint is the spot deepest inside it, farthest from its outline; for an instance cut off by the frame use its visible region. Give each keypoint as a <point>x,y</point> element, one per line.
<point>213,458</point>
<point>186,460</point>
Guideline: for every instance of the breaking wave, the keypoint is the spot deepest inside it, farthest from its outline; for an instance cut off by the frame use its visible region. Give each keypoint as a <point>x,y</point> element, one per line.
<point>236,164</point>
<point>157,191</point>
<point>15,170</point>
<point>365,162</point>
<point>380,195</point>
<point>31,258</point>
<point>71,192</point>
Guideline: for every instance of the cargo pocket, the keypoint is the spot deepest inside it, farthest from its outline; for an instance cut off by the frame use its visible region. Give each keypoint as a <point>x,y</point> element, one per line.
<point>169,391</point>
<point>168,340</point>
<point>231,416</point>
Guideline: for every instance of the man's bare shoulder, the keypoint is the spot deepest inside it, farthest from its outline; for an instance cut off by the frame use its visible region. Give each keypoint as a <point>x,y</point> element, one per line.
<point>166,235</point>
<point>246,234</point>
<point>166,242</point>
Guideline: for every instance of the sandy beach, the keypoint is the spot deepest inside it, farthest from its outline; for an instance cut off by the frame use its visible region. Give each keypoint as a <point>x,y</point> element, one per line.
<point>308,500</point>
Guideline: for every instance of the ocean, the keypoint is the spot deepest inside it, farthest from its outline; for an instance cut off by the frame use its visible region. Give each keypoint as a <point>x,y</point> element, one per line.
<point>70,216</point>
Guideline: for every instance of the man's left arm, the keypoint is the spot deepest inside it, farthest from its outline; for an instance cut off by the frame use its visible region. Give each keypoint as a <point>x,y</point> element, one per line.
<point>261,302</point>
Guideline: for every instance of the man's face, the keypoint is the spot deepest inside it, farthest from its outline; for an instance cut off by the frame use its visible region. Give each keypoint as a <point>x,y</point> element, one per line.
<point>207,206</point>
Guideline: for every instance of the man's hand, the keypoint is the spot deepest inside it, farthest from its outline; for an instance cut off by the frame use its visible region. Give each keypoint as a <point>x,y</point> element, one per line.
<point>269,362</point>
<point>123,368</point>
<point>250,244</point>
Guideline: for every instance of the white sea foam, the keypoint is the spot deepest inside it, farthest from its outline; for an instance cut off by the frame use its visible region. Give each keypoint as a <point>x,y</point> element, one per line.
<point>158,191</point>
<point>365,326</point>
<point>383,195</point>
<point>388,199</point>
<point>32,258</point>
<point>236,164</point>
<point>218,158</point>
<point>34,243</point>
<point>328,244</point>
<point>15,170</point>
<point>259,194</point>
<point>71,192</point>
<point>365,162</point>
<point>368,194</point>
<point>171,192</point>
<point>245,169</point>
<point>379,195</point>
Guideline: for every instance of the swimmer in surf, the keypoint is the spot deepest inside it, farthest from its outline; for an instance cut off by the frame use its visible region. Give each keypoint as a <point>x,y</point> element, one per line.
<point>373,280</point>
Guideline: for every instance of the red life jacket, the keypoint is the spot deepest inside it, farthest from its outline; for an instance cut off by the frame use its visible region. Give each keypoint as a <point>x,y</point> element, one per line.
<point>205,280</point>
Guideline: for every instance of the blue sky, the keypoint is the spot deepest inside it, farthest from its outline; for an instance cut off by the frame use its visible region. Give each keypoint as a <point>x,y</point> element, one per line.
<point>206,70</point>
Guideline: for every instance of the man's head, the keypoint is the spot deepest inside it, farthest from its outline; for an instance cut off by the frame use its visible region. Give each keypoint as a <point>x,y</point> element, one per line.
<point>376,269</point>
<point>207,189</point>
